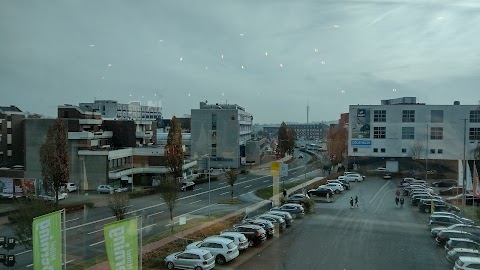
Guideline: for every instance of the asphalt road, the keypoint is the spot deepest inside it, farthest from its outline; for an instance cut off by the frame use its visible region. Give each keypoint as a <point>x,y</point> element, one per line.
<point>85,229</point>
<point>377,235</point>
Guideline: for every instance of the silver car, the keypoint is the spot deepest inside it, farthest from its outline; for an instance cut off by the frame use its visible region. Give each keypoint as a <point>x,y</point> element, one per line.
<point>224,250</point>
<point>198,259</point>
<point>286,216</point>
<point>238,239</point>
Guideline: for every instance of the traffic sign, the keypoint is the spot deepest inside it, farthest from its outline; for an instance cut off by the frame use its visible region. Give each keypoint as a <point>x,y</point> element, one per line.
<point>284,169</point>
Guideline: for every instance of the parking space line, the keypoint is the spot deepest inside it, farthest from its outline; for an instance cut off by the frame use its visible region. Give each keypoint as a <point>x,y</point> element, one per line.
<point>95,231</point>
<point>94,244</point>
<point>154,214</point>
<point>224,193</point>
<point>72,219</point>
<point>248,186</point>
<point>195,201</point>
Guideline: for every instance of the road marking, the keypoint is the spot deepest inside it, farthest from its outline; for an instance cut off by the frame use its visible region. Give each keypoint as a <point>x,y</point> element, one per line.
<point>195,202</point>
<point>23,252</point>
<point>72,219</point>
<point>270,186</point>
<point>248,186</point>
<point>199,188</point>
<point>94,244</point>
<point>149,225</point>
<point>378,192</point>
<point>95,231</point>
<point>30,265</point>
<point>155,214</point>
<point>224,193</point>
<point>266,181</point>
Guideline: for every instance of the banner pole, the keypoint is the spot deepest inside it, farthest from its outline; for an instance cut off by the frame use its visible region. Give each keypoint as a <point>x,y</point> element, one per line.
<point>64,240</point>
<point>141,242</point>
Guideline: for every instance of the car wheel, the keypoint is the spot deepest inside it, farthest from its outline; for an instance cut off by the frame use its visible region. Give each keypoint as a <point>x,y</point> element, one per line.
<point>250,243</point>
<point>337,191</point>
<point>220,260</point>
<point>170,265</point>
<point>198,268</point>
<point>427,210</point>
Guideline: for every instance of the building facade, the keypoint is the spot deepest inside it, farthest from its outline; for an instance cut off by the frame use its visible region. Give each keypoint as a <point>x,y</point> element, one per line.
<point>404,128</point>
<point>306,132</point>
<point>133,110</point>
<point>11,136</point>
<point>220,132</point>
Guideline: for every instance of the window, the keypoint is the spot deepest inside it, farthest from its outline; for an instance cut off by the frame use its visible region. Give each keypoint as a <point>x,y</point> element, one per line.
<point>379,116</point>
<point>375,150</point>
<point>439,151</point>
<point>474,134</point>
<point>9,131</point>
<point>9,147</point>
<point>475,116</point>
<point>432,151</point>
<point>404,150</point>
<point>408,133</point>
<point>408,116</point>
<point>379,132</point>
<point>382,150</point>
<point>437,116</point>
<point>436,133</point>
<point>355,150</point>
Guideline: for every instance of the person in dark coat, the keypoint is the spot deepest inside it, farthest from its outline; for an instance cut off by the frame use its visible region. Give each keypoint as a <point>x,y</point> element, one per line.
<point>351,202</point>
<point>356,201</point>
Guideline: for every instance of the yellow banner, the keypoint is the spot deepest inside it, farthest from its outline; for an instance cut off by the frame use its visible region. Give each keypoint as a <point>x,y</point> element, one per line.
<point>275,168</point>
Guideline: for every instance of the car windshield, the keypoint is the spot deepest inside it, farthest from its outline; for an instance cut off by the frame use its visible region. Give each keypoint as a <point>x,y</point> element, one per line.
<point>231,245</point>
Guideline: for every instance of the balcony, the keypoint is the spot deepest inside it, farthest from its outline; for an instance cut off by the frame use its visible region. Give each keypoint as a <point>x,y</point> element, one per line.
<point>144,134</point>
<point>90,121</point>
<point>88,135</point>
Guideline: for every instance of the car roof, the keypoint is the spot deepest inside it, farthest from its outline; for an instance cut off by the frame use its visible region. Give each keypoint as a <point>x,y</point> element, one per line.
<point>217,239</point>
<point>251,226</point>
<point>470,250</point>
<point>467,259</point>
<point>198,251</point>
<point>462,239</point>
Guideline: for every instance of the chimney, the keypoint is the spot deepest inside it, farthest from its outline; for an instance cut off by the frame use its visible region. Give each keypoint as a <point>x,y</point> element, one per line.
<point>456,102</point>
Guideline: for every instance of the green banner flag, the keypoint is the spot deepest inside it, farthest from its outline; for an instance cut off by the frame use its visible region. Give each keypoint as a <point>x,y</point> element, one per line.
<point>47,241</point>
<point>121,241</point>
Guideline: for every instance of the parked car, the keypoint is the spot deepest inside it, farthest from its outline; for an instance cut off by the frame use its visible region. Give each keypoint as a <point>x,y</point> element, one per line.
<point>458,227</point>
<point>380,169</point>
<point>105,189</point>
<point>453,255</point>
<point>122,189</point>
<point>452,191</point>
<point>426,205</point>
<point>238,239</point>
<point>254,233</point>
<point>416,191</point>
<point>469,199</point>
<point>444,220</point>
<point>321,191</point>
<point>445,235</point>
<point>336,187</point>
<point>71,187</point>
<point>184,186</point>
<point>344,183</point>
<point>387,175</point>
<point>292,208</point>
<point>265,224</point>
<point>198,259</point>
<point>406,181</point>
<point>445,183</point>
<point>298,198</point>
<point>439,213</point>
<point>354,173</point>
<point>282,224</point>
<point>51,197</point>
<point>419,182</point>
<point>406,190</point>
<point>461,243</point>
<point>415,199</point>
<point>467,263</point>
<point>285,215</point>
<point>354,177</point>
<point>224,250</point>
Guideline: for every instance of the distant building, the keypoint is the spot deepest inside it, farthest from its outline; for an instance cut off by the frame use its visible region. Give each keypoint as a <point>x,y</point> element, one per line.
<point>308,132</point>
<point>11,136</point>
<point>133,110</point>
<point>221,132</point>
<point>396,126</point>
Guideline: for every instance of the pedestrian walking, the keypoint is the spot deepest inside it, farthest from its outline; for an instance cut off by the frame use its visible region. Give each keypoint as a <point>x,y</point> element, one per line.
<point>284,193</point>
<point>397,193</point>
<point>397,200</point>
<point>328,197</point>
<point>356,201</point>
<point>402,201</point>
<point>351,202</point>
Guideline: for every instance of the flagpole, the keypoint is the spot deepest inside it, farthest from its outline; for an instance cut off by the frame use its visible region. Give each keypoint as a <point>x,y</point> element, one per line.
<point>64,240</point>
<point>141,236</point>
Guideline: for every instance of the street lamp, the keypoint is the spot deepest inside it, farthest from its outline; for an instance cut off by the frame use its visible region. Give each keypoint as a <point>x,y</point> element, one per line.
<point>208,168</point>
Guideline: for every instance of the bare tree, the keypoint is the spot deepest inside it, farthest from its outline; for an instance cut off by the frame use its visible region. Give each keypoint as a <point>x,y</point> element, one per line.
<point>119,205</point>
<point>54,159</point>
<point>231,178</point>
<point>22,219</point>
<point>337,143</point>
<point>291,135</point>
<point>169,192</point>
<point>174,148</point>
<point>282,139</point>
<point>416,150</point>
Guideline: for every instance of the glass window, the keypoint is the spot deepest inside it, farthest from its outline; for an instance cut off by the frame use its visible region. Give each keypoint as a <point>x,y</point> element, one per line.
<point>436,133</point>
<point>379,132</point>
<point>475,116</point>
<point>404,150</point>
<point>9,131</point>
<point>355,150</point>
<point>474,134</point>
<point>379,116</point>
<point>382,150</point>
<point>408,133</point>
<point>437,116</point>
<point>408,116</point>
<point>432,151</point>
<point>439,151</point>
<point>375,150</point>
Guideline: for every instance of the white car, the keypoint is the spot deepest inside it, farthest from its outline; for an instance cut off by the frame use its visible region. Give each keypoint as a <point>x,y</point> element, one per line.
<point>336,187</point>
<point>238,238</point>
<point>351,178</point>
<point>61,196</point>
<point>105,189</point>
<point>191,259</point>
<point>71,187</point>
<point>380,169</point>
<point>467,263</point>
<point>224,250</point>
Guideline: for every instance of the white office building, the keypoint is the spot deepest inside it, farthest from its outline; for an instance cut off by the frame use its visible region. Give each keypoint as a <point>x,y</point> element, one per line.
<point>111,109</point>
<point>404,128</point>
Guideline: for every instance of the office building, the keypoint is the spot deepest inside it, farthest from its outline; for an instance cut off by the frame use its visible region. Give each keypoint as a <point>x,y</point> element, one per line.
<point>111,109</point>
<point>11,136</point>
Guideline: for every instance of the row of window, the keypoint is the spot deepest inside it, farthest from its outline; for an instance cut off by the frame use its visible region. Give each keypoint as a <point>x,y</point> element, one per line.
<point>118,162</point>
<point>408,116</point>
<point>404,150</point>
<point>436,133</point>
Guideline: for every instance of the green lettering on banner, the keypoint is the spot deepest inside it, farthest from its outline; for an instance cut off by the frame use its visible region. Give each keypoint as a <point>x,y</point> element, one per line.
<point>47,241</point>
<point>121,242</point>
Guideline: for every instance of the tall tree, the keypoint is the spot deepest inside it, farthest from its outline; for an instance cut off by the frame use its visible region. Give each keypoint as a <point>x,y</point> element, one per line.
<point>54,159</point>
<point>118,204</point>
<point>282,139</point>
<point>169,193</point>
<point>174,148</point>
<point>231,179</point>
<point>337,143</point>
<point>291,139</point>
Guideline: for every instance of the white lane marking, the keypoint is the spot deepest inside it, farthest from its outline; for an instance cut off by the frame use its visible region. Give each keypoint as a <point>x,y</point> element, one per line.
<point>23,252</point>
<point>95,231</point>
<point>381,17</point>
<point>149,225</point>
<point>155,214</point>
<point>72,219</point>
<point>94,244</point>
<point>378,192</point>
<point>30,265</point>
<point>270,186</point>
<point>266,181</point>
<point>195,202</point>
<point>248,186</point>
<point>224,193</point>
<point>199,188</point>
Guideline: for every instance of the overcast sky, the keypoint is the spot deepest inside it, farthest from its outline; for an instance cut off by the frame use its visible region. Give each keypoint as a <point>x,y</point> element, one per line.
<point>272,57</point>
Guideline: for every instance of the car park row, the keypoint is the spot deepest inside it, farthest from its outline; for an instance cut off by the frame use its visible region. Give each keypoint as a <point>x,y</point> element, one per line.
<point>336,186</point>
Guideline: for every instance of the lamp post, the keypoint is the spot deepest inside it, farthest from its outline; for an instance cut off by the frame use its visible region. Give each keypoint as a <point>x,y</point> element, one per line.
<point>426,158</point>
<point>208,171</point>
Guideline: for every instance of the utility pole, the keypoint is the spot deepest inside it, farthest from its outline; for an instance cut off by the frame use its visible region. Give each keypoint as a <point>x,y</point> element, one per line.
<point>308,109</point>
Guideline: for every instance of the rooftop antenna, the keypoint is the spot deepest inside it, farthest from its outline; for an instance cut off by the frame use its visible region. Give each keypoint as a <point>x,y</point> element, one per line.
<point>308,109</point>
